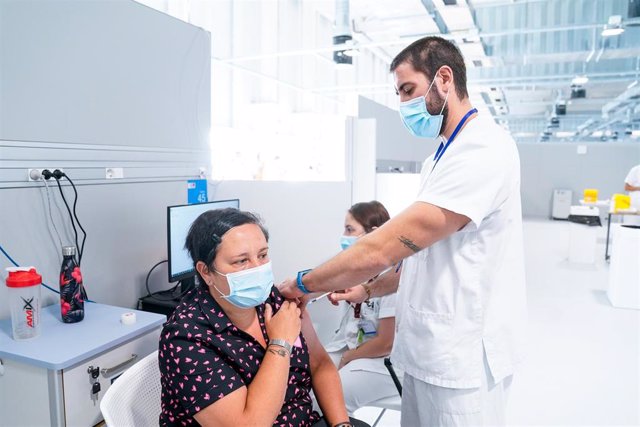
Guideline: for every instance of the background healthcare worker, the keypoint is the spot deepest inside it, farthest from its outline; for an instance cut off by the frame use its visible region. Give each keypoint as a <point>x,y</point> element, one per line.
<point>461,299</point>
<point>367,328</point>
<point>632,185</point>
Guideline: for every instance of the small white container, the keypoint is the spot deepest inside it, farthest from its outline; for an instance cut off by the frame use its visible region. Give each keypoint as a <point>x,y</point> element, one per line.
<point>23,284</point>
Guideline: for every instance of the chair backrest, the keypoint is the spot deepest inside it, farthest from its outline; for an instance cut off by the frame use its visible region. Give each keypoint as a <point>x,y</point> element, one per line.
<point>391,402</point>
<point>134,398</point>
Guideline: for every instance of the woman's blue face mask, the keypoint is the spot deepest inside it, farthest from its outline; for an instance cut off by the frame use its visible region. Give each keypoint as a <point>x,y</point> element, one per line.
<point>418,120</point>
<point>248,288</point>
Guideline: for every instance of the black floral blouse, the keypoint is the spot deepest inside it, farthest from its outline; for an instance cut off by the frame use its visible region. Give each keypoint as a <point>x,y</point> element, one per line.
<point>204,357</point>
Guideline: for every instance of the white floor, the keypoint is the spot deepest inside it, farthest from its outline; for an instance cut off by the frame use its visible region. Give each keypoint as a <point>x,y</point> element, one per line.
<point>583,361</point>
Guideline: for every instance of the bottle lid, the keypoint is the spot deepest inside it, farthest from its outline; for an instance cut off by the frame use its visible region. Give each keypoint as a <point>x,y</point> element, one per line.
<point>21,277</point>
<point>68,250</point>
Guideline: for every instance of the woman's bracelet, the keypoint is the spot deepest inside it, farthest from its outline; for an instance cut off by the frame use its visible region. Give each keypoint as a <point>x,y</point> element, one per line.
<point>367,289</point>
<point>344,424</point>
<point>281,343</point>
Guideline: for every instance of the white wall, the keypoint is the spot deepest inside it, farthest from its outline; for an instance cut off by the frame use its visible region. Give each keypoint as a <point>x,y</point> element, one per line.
<point>86,85</point>
<point>396,191</point>
<point>548,166</point>
<point>107,72</point>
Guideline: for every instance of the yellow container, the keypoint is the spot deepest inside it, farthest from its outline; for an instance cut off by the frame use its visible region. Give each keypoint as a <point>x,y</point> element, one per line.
<point>590,195</point>
<point>621,201</point>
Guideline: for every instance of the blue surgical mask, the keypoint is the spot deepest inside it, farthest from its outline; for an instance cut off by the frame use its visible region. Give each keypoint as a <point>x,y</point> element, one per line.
<point>346,241</point>
<point>417,118</point>
<point>248,288</point>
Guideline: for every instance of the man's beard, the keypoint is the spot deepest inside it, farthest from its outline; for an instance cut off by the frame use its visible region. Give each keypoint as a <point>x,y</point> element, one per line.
<point>435,106</point>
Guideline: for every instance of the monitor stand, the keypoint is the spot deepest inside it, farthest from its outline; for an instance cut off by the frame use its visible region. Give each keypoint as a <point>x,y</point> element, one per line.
<point>164,302</point>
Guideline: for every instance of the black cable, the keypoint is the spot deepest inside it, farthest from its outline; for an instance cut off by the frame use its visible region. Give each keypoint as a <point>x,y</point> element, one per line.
<point>64,199</point>
<point>75,202</point>
<point>156,295</point>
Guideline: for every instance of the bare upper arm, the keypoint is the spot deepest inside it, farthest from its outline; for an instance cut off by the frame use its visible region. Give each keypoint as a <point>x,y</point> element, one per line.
<point>317,353</point>
<point>225,411</point>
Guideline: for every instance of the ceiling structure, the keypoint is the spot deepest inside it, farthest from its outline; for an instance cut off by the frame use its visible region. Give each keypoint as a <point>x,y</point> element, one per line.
<point>542,68</point>
<point>545,69</point>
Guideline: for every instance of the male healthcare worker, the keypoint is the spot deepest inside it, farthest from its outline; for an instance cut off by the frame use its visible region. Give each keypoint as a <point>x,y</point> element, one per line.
<point>461,302</point>
<point>632,185</point>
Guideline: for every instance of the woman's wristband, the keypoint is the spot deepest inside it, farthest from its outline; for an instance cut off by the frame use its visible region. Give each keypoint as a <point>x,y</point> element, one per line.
<point>344,424</point>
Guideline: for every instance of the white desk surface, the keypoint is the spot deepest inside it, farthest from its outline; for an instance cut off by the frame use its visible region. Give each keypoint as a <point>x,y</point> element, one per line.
<point>62,345</point>
<point>631,211</point>
<point>606,202</point>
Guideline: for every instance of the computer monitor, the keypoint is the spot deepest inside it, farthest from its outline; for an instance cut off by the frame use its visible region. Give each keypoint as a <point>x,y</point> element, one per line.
<point>179,220</point>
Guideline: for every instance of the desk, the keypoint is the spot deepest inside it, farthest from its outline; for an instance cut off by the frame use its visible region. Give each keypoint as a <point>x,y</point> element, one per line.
<point>45,381</point>
<point>603,203</point>
<point>618,212</point>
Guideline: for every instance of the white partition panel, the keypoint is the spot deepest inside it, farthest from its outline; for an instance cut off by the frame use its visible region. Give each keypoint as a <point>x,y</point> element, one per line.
<point>396,191</point>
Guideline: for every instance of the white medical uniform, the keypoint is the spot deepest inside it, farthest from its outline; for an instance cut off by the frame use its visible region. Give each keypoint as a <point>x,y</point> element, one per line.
<point>363,380</point>
<point>633,178</point>
<point>464,297</point>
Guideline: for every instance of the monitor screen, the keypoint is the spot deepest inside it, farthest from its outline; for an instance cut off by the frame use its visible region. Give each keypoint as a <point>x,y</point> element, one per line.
<point>179,220</point>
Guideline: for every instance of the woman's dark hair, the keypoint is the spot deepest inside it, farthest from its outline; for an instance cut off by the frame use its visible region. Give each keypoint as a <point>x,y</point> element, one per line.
<point>428,54</point>
<point>207,230</point>
<point>369,214</point>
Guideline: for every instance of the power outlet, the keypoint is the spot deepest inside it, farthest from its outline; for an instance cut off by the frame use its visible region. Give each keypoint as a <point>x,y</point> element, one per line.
<point>35,174</point>
<point>114,173</point>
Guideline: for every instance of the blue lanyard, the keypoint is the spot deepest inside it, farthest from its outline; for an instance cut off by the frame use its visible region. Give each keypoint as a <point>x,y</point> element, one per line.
<point>443,147</point>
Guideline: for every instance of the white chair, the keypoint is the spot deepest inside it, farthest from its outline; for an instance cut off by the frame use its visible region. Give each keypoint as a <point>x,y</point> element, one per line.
<point>393,402</point>
<point>134,398</point>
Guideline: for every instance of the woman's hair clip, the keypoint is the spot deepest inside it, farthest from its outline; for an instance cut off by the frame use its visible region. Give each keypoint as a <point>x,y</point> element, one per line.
<point>216,239</point>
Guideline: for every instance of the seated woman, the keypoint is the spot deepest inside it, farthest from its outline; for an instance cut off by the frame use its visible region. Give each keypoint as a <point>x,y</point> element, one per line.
<point>367,329</point>
<point>232,353</point>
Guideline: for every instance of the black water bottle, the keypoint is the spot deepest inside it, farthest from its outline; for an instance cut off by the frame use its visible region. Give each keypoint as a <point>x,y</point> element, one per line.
<point>71,301</point>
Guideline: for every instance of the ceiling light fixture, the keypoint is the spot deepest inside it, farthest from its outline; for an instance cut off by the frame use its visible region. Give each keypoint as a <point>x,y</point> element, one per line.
<point>342,35</point>
<point>613,27</point>
<point>565,134</point>
<point>580,80</point>
<point>352,52</point>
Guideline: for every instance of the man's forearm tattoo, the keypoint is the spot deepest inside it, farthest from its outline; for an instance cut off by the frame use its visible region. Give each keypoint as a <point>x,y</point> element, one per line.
<point>408,243</point>
<point>278,351</point>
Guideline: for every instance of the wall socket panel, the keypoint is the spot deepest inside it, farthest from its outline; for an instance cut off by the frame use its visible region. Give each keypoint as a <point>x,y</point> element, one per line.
<point>114,173</point>
<point>39,170</point>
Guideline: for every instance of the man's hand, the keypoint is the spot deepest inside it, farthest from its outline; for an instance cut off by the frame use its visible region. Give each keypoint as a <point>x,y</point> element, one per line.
<point>353,295</point>
<point>289,289</point>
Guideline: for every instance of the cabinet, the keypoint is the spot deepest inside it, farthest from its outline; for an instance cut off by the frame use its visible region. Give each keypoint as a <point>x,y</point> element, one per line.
<point>47,380</point>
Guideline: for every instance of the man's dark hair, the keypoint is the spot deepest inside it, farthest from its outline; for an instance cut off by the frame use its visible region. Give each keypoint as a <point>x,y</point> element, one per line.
<point>428,54</point>
<point>207,230</point>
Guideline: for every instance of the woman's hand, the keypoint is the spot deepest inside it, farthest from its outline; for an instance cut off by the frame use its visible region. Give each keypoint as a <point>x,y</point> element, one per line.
<point>285,324</point>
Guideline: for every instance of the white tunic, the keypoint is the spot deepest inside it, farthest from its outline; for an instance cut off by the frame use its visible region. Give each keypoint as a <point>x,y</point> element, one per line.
<point>467,290</point>
<point>633,178</point>
<point>349,336</point>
